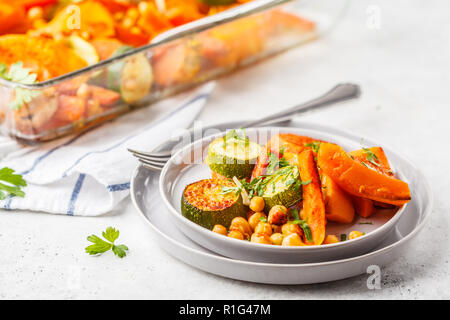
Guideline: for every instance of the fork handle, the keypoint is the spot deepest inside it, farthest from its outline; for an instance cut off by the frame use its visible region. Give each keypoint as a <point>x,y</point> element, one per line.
<point>341,92</point>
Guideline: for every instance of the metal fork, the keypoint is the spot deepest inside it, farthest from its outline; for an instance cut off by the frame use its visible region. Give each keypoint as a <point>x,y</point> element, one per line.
<point>341,92</point>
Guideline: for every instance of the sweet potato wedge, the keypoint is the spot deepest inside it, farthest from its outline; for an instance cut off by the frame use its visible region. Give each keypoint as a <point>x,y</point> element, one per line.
<point>359,180</point>
<point>338,203</point>
<point>313,204</point>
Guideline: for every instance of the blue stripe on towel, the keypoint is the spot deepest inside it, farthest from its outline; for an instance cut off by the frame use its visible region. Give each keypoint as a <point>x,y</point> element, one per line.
<point>75,193</point>
<point>118,187</point>
<point>199,97</point>
<point>48,153</point>
<point>7,205</point>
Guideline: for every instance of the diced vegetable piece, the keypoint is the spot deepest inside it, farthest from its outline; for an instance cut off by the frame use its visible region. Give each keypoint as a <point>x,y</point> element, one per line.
<point>360,180</point>
<point>209,202</point>
<point>136,79</point>
<point>11,16</point>
<point>233,157</point>
<point>70,108</point>
<point>338,203</point>
<point>104,96</point>
<point>313,204</point>
<point>84,50</point>
<point>175,64</point>
<point>282,188</point>
<point>106,47</point>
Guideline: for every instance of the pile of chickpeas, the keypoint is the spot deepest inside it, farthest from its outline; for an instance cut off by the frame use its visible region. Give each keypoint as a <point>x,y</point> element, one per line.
<point>274,229</point>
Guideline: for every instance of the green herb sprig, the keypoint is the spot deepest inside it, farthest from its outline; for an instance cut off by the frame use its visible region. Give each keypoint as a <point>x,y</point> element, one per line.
<point>371,157</point>
<point>12,184</point>
<point>101,246</point>
<point>302,224</point>
<point>17,73</point>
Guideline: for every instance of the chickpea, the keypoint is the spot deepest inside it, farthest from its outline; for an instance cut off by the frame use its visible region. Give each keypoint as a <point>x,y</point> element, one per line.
<point>83,91</point>
<point>277,239</point>
<point>289,228</point>
<point>220,229</point>
<point>257,204</point>
<point>276,229</point>
<point>236,235</point>
<point>143,7</point>
<point>292,239</point>
<point>264,227</point>
<point>331,238</point>
<point>278,215</point>
<point>241,225</point>
<point>127,22</point>
<point>255,219</point>
<point>354,234</point>
<point>260,238</point>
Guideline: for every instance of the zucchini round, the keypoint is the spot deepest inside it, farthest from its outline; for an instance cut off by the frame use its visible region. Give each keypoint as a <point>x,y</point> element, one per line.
<point>282,188</point>
<point>207,203</point>
<point>233,157</point>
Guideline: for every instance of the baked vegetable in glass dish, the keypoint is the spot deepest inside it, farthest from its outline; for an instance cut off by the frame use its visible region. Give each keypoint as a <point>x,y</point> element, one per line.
<point>81,63</point>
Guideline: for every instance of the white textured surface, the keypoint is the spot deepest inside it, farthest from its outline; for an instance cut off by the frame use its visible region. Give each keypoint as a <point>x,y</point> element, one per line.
<point>403,70</point>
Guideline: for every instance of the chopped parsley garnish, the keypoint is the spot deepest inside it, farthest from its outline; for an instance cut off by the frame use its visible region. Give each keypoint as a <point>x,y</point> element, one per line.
<point>263,219</point>
<point>12,184</point>
<point>232,134</point>
<point>17,73</point>
<point>371,157</point>
<point>343,237</point>
<point>275,163</point>
<point>368,222</point>
<point>100,246</point>
<point>237,190</point>
<point>302,224</point>
<point>315,145</point>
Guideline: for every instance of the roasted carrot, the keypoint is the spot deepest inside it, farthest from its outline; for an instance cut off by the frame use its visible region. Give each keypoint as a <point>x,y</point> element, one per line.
<point>313,204</point>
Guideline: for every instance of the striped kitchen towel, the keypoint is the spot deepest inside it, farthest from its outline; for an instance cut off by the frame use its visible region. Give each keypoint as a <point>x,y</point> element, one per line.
<point>89,174</point>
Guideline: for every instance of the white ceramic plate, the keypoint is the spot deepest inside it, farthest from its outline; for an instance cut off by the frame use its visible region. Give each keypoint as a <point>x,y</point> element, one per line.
<point>147,200</point>
<point>179,172</point>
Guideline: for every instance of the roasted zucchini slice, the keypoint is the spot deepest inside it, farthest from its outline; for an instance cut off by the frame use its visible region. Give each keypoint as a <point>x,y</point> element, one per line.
<point>233,157</point>
<point>282,188</point>
<point>212,201</point>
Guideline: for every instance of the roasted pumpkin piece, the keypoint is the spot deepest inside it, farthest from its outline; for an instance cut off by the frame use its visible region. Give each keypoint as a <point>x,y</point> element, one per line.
<point>106,47</point>
<point>338,203</point>
<point>376,159</point>
<point>12,17</point>
<point>363,207</point>
<point>45,57</point>
<point>359,180</point>
<point>286,145</point>
<point>313,204</point>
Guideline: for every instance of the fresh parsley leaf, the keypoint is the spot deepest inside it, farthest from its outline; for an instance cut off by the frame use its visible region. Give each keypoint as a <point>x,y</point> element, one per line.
<point>17,73</point>
<point>120,250</point>
<point>100,246</point>
<point>315,145</point>
<point>12,184</point>
<point>295,215</point>
<point>263,219</point>
<point>371,157</point>
<point>305,227</point>
<point>275,162</point>
<point>110,234</point>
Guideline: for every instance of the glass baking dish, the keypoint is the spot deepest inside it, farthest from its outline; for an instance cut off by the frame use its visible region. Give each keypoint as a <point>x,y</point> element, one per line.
<point>174,61</point>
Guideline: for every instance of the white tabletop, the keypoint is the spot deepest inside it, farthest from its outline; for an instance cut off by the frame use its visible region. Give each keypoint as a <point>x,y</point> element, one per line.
<point>403,70</point>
